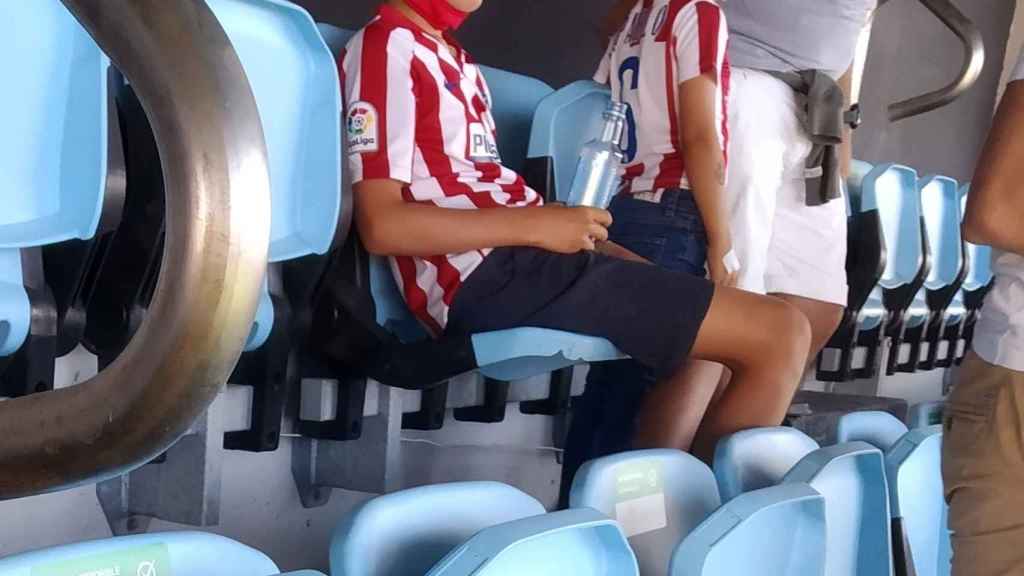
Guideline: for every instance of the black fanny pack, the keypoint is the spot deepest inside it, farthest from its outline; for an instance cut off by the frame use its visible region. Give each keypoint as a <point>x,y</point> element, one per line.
<point>825,117</point>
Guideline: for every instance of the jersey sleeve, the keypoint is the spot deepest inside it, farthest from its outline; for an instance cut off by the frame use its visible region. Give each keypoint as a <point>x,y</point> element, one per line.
<point>380,112</point>
<point>700,36</point>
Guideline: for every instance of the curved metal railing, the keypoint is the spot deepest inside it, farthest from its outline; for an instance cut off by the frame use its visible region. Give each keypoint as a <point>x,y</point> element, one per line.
<point>974,61</point>
<point>191,83</point>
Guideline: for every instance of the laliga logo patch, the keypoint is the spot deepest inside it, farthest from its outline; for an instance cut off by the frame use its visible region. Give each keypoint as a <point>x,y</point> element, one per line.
<point>361,125</point>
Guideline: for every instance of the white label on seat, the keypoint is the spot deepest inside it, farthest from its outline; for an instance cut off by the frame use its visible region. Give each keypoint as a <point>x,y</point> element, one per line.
<point>642,515</point>
<point>640,498</point>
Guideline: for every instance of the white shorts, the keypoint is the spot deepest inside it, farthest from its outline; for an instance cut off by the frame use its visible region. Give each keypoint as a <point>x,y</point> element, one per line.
<point>784,246</point>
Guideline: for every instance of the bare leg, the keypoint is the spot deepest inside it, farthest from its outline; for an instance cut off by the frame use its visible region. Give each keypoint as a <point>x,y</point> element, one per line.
<point>673,410</point>
<point>764,342</point>
<point>823,316</point>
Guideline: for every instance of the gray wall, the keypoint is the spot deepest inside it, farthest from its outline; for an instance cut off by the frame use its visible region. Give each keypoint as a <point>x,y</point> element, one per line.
<point>556,40</point>
<point>911,52</point>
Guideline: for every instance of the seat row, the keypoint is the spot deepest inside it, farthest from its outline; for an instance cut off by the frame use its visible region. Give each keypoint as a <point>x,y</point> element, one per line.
<point>916,286</point>
<point>81,245</point>
<point>775,504</point>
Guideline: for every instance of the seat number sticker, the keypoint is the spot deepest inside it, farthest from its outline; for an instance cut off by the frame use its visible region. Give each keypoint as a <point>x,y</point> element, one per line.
<point>640,505</point>
<point>151,560</point>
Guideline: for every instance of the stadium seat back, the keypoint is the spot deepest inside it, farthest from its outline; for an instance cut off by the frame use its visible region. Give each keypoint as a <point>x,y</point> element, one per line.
<point>759,458</point>
<point>657,496</point>
<point>408,532</point>
<point>880,429</point>
<point>564,122</point>
<point>53,153</point>
<point>53,149</point>
<point>515,100</point>
<point>294,79</point>
<point>578,542</point>
<point>892,190</point>
<point>163,553</point>
<point>925,414</point>
<point>940,203</point>
<point>851,477</point>
<point>777,531</point>
<point>915,475</point>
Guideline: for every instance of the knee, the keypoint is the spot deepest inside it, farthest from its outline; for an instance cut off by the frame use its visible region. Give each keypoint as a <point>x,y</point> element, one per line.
<point>788,337</point>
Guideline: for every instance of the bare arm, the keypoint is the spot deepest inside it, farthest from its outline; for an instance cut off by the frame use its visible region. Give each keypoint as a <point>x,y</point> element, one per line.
<point>705,168</point>
<point>390,226</point>
<point>995,206</point>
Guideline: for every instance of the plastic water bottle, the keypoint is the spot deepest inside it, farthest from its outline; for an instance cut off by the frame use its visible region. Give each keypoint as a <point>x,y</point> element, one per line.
<point>598,173</point>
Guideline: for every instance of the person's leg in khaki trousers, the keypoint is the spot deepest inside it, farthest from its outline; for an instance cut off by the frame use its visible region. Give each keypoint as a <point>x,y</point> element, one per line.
<point>983,470</point>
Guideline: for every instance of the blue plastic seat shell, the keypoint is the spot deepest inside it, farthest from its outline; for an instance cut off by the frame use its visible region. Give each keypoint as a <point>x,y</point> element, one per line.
<point>169,554</point>
<point>776,531</point>
<point>580,542</point>
<point>406,533</point>
<point>53,155</point>
<point>295,82</point>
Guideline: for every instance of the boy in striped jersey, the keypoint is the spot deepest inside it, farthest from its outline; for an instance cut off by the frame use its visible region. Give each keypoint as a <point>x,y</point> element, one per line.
<point>475,250</point>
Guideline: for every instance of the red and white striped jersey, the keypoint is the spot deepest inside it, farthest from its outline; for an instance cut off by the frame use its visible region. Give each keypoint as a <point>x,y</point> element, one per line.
<point>663,44</point>
<point>421,115</point>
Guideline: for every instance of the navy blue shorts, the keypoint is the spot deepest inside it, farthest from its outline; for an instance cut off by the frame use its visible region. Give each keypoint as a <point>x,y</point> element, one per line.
<point>649,312</point>
<point>670,234</point>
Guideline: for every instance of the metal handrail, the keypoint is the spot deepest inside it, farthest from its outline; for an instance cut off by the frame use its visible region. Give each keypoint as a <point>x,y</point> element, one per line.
<point>191,83</point>
<point>974,61</point>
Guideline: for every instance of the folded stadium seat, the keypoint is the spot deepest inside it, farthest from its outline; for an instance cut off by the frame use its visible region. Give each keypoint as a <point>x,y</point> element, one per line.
<point>657,496</point>
<point>777,531</point>
<point>852,479</point>
<point>361,322</point>
<point>159,554</point>
<point>925,414</point>
<point>295,81</point>
<point>880,429</point>
<point>940,205</point>
<point>865,262</point>
<point>891,191</point>
<point>406,533</point>
<point>919,510</point>
<point>578,542</point>
<point>54,160</point>
<point>759,458</point>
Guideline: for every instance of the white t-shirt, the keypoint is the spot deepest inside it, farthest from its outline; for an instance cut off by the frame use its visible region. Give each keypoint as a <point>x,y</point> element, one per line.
<point>999,335</point>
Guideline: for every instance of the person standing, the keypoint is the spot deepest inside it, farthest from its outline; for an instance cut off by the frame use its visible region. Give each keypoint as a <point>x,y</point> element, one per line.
<point>983,441</point>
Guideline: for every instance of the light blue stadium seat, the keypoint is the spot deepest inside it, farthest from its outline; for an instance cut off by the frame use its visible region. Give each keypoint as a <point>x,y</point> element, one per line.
<point>295,82</point>
<point>925,414</point>
<point>852,479</point>
<point>516,98</point>
<point>158,554</point>
<point>657,496</point>
<point>880,429</point>
<point>940,207</point>
<point>777,531</point>
<point>53,147</point>
<point>865,262</point>
<point>578,542</point>
<point>914,466</point>
<point>406,533</point>
<point>891,190</point>
<point>759,458</point>
<point>564,122</point>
